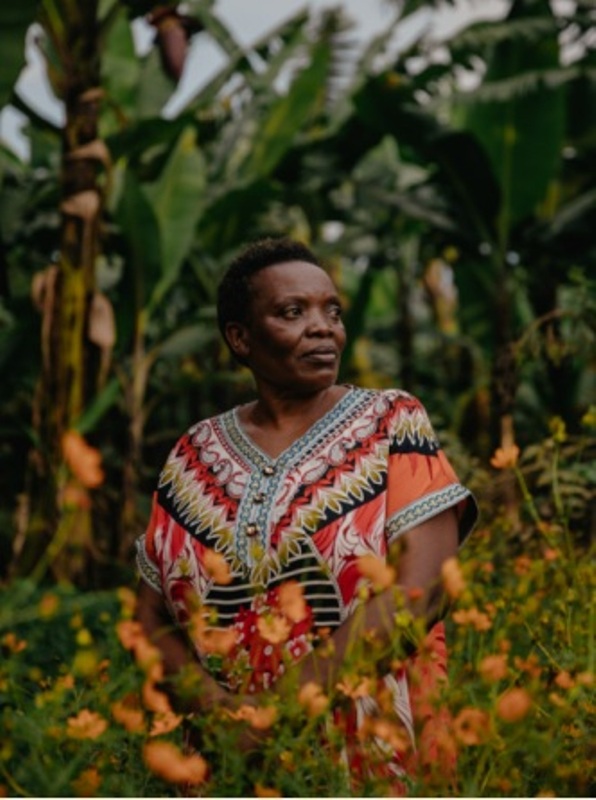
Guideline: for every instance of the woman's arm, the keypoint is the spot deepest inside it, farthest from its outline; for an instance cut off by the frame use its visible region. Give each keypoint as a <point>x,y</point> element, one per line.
<point>176,653</point>
<point>417,558</point>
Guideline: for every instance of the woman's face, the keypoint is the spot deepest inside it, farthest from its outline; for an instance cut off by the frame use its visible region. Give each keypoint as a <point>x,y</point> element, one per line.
<point>294,336</point>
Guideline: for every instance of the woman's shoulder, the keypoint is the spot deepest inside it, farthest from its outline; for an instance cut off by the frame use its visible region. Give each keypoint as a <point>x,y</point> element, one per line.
<point>391,399</point>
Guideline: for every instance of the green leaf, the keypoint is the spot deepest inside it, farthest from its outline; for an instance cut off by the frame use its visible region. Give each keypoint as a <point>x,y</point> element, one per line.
<point>523,133</point>
<point>187,340</point>
<point>140,230</point>
<point>279,129</point>
<point>15,18</point>
<point>177,199</point>
<point>99,406</point>
<point>121,69</point>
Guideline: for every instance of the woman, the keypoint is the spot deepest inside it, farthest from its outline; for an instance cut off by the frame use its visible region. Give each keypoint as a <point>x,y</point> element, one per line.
<point>299,486</point>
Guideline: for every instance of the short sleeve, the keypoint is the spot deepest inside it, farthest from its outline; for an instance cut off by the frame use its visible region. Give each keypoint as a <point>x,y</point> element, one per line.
<point>421,482</point>
<point>148,547</point>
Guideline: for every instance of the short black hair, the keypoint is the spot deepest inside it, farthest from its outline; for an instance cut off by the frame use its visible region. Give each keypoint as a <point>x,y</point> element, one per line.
<point>234,291</point>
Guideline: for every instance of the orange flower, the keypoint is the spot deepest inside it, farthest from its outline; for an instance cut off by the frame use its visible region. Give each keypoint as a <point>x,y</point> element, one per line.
<point>473,617</point>
<point>128,632</point>
<point>291,601</point>
<point>219,641</point>
<point>274,629</point>
<point>259,717</point>
<point>48,605</point>
<point>505,457</point>
<point>166,761</point>
<point>354,686</point>
<point>217,567</point>
<point>471,726</point>
<point>128,715</point>
<point>165,722</point>
<point>522,565</point>
<point>564,680</point>
<point>452,577</point>
<point>513,705</point>
<point>154,700</point>
<point>264,791</point>
<point>389,732</point>
<point>12,643</point>
<point>86,725</point>
<point>87,784</point>
<point>378,572</point>
<point>84,461</point>
<point>493,668</point>
<point>313,698</point>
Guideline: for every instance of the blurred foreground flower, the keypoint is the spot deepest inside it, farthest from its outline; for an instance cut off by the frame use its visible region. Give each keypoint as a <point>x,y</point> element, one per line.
<point>291,601</point>
<point>356,686</point>
<point>513,705</point>
<point>166,761</point>
<point>380,574</point>
<point>128,714</point>
<point>452,577</point>
<point>493,667</point>
<point>217,567</point>
<point>274,629</point>
<point>259,717</point>
<point>83,460</point>
<point>471,726</point>
<point>265,791</point>
<point>86,725</point>
<point>313,698</point>
<point>472,617</point>
<point>216,641</point>
<point>87,784</point>
<point>505,457</point>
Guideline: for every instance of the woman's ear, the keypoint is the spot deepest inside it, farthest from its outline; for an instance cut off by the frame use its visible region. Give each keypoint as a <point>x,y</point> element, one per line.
<point>237,338</point>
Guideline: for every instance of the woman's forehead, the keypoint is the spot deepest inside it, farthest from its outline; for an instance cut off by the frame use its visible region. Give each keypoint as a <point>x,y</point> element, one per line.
<point>291,277</point>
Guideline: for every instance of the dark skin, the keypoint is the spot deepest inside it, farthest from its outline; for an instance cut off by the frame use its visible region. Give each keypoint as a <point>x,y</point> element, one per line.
<point>292,342</point>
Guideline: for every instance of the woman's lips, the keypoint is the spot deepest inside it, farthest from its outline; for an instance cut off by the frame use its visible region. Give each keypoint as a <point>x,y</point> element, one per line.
<point>322,355</point>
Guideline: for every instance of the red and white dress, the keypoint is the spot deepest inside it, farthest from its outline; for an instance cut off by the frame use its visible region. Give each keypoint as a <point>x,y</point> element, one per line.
<point>360,477</point>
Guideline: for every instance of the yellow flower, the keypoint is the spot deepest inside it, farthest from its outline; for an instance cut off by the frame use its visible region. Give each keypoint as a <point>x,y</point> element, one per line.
<point>513,705</point>
<point>505,457</point>
<point>378,572</point>
<point>355,686</point>
<point>452,577</point>
<point>471,726</point>
<point>313,698</point>
<point>166,761</point>
<point>86,725</point>
<point>291,601</point>
<point>48,605</point>
<point>264,791</point>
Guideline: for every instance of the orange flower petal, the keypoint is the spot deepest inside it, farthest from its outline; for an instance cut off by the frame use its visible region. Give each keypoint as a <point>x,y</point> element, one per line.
<point>313,698</point>
<point>86,725</point>
<point>274,629</point>
<point>166,761</point>
<point>378,572</point>
<point>505,457</point>
<point>291,601</point>
<point>217,567</point>
<point>513,705</point>
<point>452,577</point>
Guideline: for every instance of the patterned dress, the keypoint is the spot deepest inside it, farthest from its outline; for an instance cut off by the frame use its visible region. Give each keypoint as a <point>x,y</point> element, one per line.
<point>364,474</point>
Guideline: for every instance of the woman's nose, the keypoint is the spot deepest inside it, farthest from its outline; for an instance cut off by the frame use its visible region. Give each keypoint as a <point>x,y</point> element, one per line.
<point>319,323</point>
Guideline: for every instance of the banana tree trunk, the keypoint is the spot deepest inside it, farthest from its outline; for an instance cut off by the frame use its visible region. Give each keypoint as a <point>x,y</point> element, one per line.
<point>58,534</point>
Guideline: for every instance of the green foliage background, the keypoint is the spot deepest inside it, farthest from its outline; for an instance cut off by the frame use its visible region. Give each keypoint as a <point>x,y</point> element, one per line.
<point>458,223</point>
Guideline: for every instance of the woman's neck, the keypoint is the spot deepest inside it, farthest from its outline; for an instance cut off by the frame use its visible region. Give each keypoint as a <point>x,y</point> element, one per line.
<point>276,420</point>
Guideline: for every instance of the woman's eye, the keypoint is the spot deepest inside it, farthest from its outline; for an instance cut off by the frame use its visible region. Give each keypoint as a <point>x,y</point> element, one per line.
<point>291,312</point>
<point>335,312</point>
